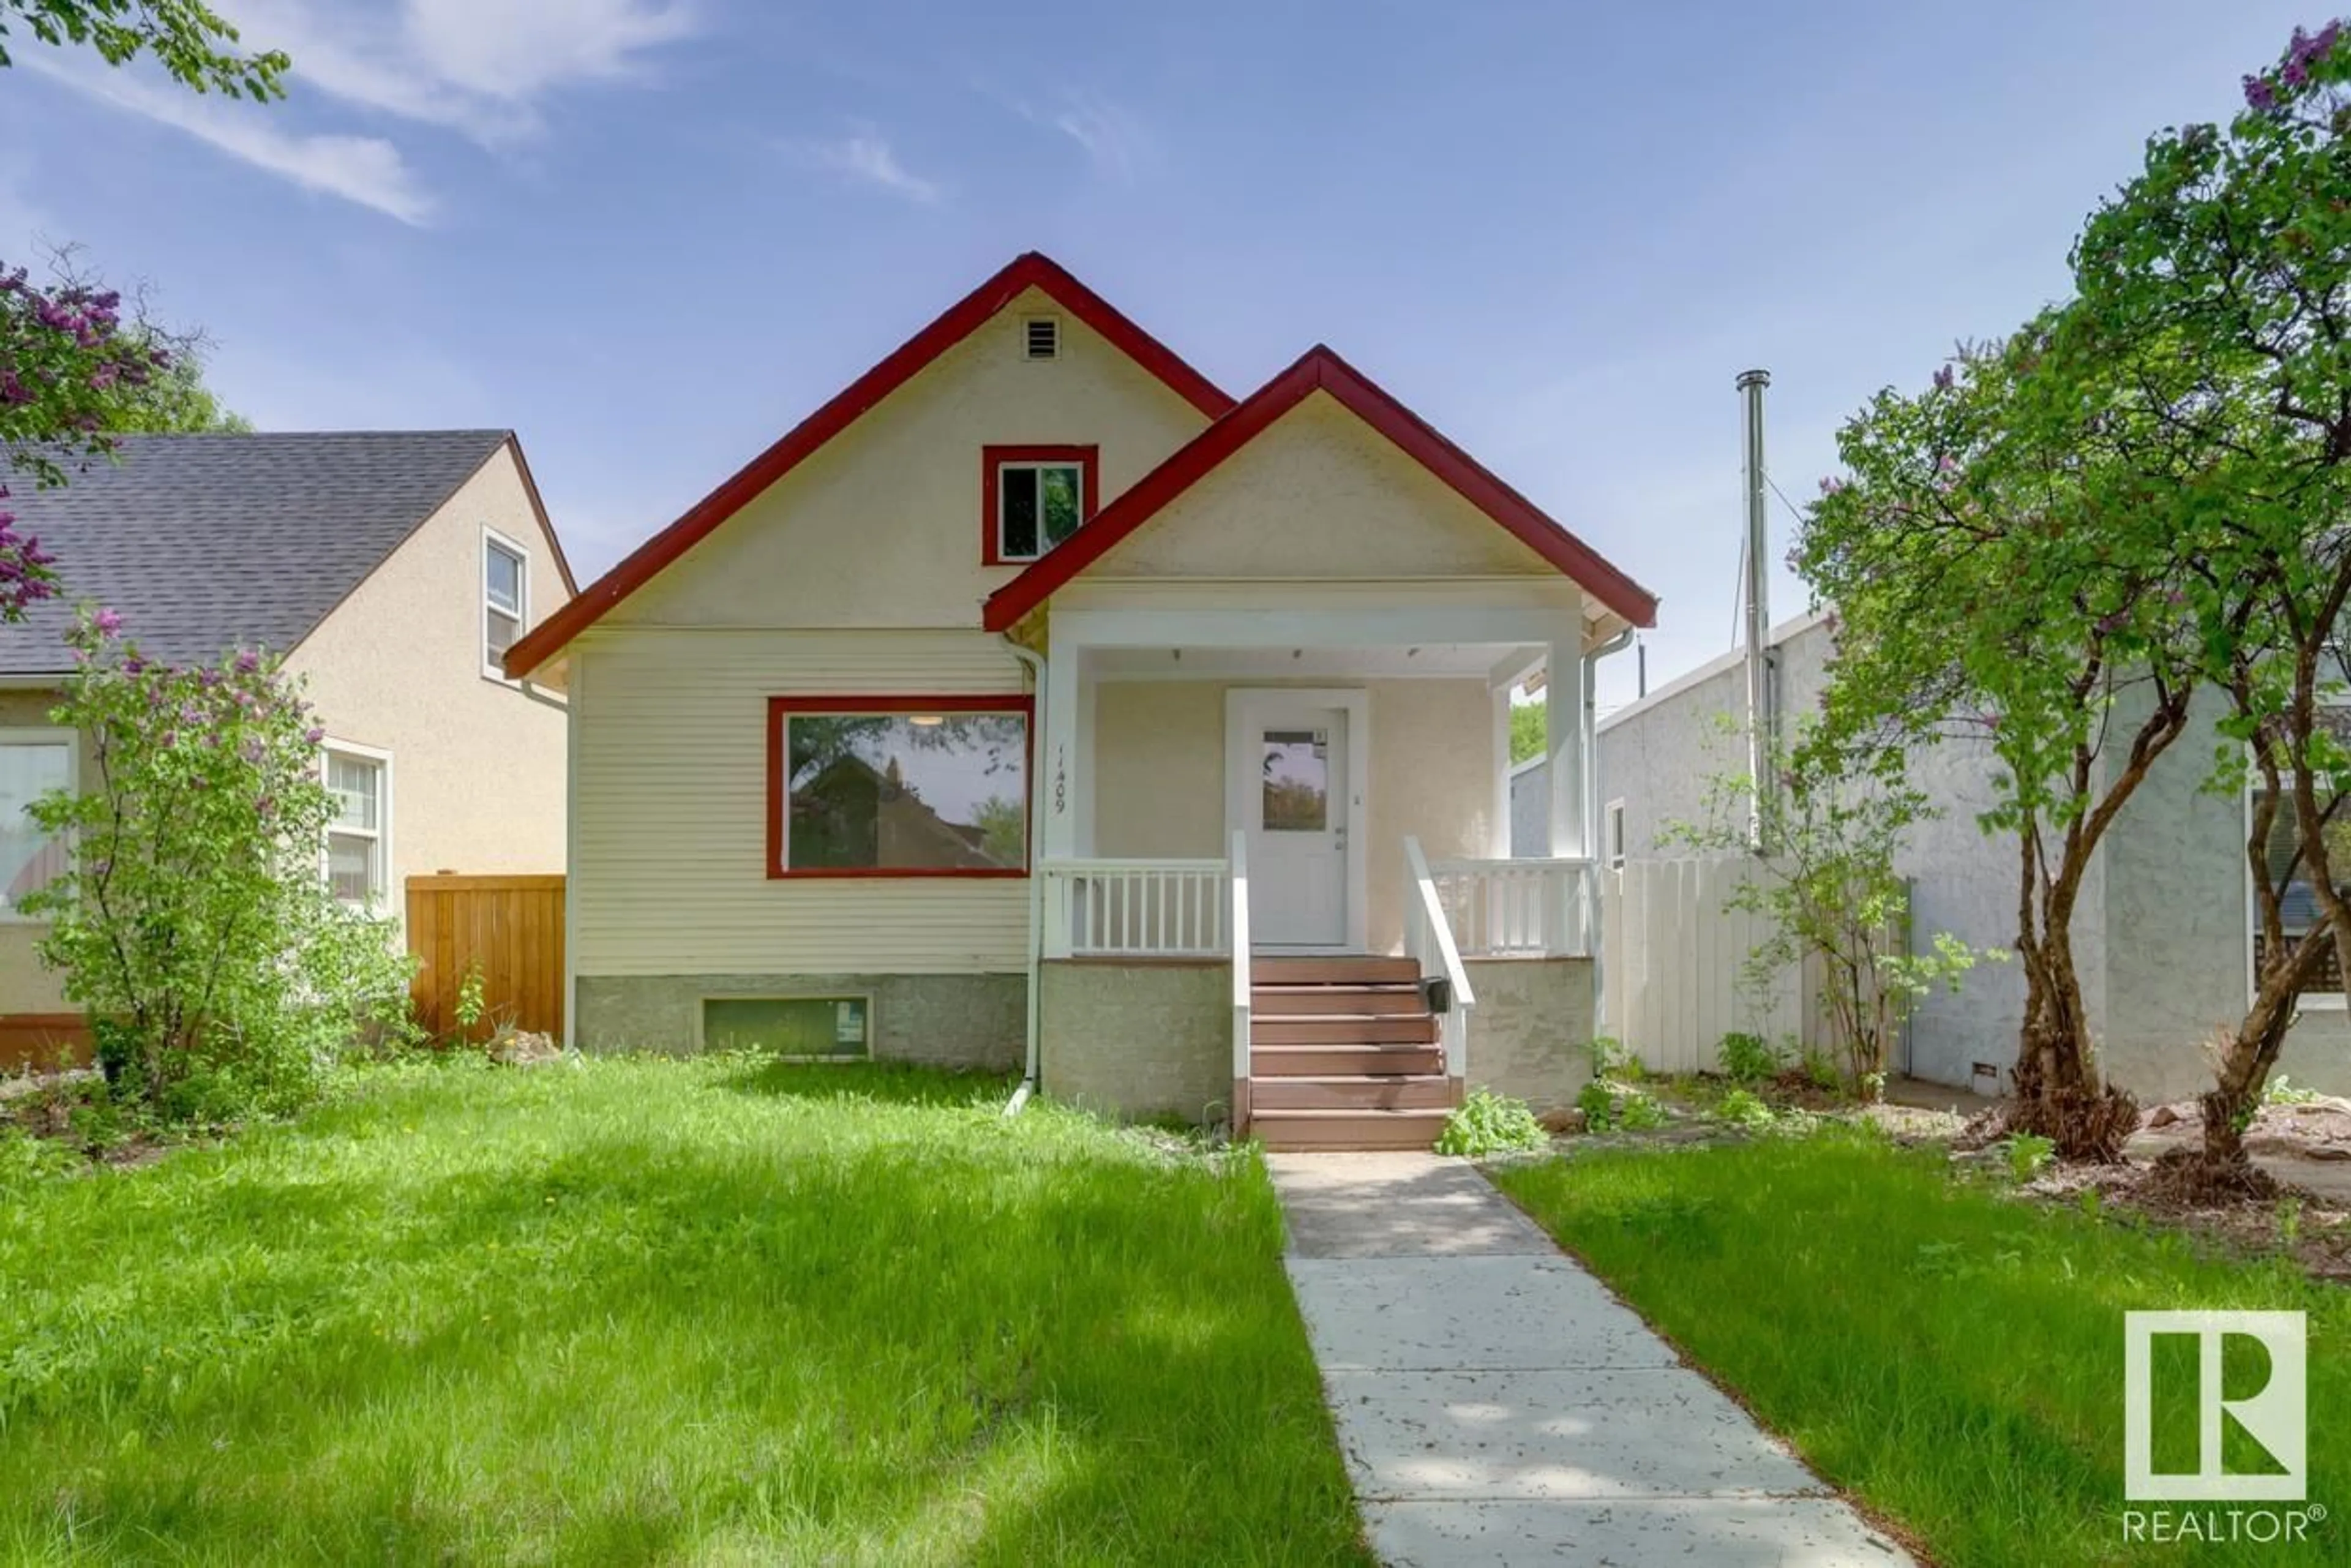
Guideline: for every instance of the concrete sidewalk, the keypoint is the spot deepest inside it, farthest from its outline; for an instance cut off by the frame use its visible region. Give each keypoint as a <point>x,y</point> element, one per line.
<point>1497,1405</point>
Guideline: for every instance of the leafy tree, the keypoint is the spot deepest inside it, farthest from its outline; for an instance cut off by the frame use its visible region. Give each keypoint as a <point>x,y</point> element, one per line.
<point>1528,721</point>
<point>195,924</point>
<point>1991,582</point>
<point>2222,273</point>
<point>185,36</point>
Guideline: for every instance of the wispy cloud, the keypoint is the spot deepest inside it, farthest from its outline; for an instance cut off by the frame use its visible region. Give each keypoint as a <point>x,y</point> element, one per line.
<point>480,68</point>
<point>864,156</point>
<point>367,170</point>
<point>1114,138</point>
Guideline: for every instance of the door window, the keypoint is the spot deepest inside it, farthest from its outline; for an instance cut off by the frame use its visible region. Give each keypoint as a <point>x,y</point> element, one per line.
<point>1297,780</point>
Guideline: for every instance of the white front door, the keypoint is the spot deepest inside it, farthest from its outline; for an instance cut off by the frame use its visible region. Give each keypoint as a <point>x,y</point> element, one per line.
<point>1295,796</point>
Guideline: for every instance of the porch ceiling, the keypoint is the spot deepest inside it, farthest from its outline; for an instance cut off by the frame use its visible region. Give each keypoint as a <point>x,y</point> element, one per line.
<point>1452,661</point>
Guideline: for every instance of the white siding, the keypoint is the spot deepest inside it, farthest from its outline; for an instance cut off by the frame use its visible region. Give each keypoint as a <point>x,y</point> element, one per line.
<point>670,800</point>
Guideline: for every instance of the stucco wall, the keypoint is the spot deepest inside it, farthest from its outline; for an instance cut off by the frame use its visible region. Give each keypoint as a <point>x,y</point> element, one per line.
<point>1530,1031</point>
<point>882,526</point>
<point>477,768</point>
<point>946,1021</point>
<point>1159,760</point>
<point>1320,494</point>
<point>1138,1039</point>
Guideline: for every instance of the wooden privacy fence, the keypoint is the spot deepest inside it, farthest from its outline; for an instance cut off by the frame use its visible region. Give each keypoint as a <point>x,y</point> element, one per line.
<point>510,927</point>
<point>1675,958</point>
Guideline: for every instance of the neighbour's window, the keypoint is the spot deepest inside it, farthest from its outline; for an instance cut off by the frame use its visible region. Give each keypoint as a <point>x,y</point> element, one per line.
<point>30,856</point>
<point>1037,497</point>
<point>355,839</point>
<point>1616,836</point>
<point>884,787</point>
<point>505,599</point>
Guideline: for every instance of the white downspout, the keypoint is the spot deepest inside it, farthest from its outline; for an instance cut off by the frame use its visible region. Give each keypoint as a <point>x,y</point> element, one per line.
<point>1036,664</point>
<point>1593,844</point>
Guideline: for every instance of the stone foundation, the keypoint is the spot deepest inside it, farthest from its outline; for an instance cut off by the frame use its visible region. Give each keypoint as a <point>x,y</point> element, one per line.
<point>946,1021</point>
<point>1531,1032</point>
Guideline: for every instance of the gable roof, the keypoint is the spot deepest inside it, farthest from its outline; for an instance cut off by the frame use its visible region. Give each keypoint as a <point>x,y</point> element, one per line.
<point>1031,269</point>
<point>1320,369</point>
<point>210,542</point>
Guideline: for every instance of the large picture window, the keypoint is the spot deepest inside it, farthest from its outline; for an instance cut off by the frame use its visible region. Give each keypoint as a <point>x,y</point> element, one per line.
<point>1033,498</point>
<point>898,786</point>
<point>32,763</point>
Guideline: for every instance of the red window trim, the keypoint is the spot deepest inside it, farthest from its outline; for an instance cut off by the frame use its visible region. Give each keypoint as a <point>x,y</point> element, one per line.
<point>991,458</point>
<point>780,709</point>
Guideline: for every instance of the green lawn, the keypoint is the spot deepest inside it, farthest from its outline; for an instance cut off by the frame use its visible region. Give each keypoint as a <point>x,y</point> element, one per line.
<point>644,1311</point>
<point>1952,1357</point>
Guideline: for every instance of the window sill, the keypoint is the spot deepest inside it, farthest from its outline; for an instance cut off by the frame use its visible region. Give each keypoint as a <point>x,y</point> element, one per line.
<point>893,873</point>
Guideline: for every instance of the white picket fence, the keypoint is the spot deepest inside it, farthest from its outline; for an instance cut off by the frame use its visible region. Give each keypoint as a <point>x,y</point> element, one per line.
<point>1674,958</point>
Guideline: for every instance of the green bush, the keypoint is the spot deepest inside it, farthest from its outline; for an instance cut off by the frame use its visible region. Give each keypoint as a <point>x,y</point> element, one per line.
<point>194,925</point>
<point>1598,1104</point>
<point>1640,1112</point>
<point>1740,1108</point>
<point>2282,1090</point>
<point>1750,1058</point>
<point>1490,1123</point>
<point>2026,1153</point>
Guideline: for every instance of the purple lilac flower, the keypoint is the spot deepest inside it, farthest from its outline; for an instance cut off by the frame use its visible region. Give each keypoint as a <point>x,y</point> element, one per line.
<point>1944,378</point>
<point>108,621</point>
<point>2295,74</point>
<point>2260,95</point>
<point>314,734</point>
<point>247,662</point>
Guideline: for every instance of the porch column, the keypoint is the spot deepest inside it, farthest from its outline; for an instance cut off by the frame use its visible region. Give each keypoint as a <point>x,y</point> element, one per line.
<point>1565,717</point>
<point>1057,835</point>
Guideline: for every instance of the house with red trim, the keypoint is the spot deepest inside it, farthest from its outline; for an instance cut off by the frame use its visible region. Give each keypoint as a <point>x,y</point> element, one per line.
<point>1037,703</point>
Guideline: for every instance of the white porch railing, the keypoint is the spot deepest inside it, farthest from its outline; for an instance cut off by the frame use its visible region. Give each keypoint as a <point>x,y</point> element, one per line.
<point>1428,941</point>
<point>1135,908</point>
<point>1240,889</point>
<point>1519,908</point>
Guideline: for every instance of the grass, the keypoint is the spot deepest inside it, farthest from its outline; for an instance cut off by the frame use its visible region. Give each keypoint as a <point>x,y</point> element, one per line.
<point>1951,1356</point>
<point>663,1313</point>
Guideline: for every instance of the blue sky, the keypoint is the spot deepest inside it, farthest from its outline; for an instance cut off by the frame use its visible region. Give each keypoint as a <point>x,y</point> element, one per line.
<point>651,235</point>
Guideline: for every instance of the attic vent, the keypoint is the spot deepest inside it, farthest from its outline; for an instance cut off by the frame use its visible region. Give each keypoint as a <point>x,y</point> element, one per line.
<point>1043,337</point>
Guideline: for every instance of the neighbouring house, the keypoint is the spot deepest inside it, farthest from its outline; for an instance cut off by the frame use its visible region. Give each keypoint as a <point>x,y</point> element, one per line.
<point>1034,700</point>
<point>393,570</point>
<point>2164,934</point>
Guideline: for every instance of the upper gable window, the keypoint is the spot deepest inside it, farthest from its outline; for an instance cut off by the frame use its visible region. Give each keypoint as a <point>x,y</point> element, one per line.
<point>505,599</point>
<point>1035,497</point>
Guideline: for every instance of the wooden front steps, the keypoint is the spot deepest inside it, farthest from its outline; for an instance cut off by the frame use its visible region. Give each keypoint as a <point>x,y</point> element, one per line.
<point>1343,1054</point>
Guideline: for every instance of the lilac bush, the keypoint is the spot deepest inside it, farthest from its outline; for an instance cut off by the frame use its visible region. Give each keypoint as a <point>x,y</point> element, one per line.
<point>196,925</point>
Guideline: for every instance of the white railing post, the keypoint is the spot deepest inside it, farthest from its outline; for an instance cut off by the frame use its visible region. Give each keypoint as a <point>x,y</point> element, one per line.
<point>1239,924</point>
<point>1430,938</point>
<point>1133,908</point>
<point>1518,908</point>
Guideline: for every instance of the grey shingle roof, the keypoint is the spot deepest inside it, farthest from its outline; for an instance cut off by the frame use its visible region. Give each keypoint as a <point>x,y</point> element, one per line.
<point>208,542</point>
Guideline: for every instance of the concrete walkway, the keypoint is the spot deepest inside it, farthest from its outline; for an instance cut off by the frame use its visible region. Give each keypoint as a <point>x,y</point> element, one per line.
<point>1497,1405</point>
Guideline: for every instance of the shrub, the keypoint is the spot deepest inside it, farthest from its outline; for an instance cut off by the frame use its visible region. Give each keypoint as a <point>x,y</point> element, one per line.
<point>1740,1108</point>
<point>195,924</point>
<point>1598,1104</point>
<point>2282,1090</point>
<point>2026,1153</point>
<point>1490,1123</point>
<point>1750,1058</point>
<point>1611,1059</point>
<point>1820,1070</point>
<point>1640,1112</point>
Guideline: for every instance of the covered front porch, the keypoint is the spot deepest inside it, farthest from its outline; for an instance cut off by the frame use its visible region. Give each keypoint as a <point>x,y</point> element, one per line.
<point>1274,865</point>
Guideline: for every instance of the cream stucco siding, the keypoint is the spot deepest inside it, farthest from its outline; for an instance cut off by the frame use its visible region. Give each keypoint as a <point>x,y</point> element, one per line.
<point>669,869</point>
<point>882,526</point>
<point>1321,494</point>
<point>478,764</point>
<point>1159,763</point>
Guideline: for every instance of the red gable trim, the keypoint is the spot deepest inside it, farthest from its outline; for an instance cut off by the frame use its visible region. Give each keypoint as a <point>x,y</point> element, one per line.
<point>1320,369</point>
<point>1030,270</point>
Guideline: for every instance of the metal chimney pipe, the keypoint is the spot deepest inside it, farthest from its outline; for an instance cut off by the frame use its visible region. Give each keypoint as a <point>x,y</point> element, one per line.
<point>1761,720</point>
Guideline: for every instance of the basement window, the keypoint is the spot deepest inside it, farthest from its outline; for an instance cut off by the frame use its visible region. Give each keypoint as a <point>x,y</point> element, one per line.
<point>792,1028</point>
